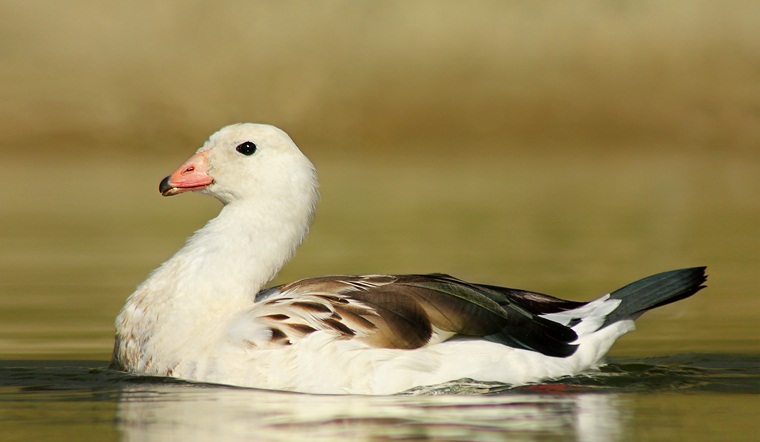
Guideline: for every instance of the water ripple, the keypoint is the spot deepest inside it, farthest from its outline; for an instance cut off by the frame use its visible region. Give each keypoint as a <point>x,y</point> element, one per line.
<point>594,406</point>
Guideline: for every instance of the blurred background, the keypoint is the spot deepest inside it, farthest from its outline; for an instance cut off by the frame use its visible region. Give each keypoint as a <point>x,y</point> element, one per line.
<point>348,75</point>
<point>566,147</point>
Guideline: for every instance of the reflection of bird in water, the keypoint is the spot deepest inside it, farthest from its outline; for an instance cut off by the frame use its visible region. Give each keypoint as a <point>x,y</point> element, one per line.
<point>203,314</point>
<point>199,413</point>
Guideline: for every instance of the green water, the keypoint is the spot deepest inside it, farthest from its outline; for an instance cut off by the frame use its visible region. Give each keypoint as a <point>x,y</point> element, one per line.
<point>707,397</point>
<point>79,235</point>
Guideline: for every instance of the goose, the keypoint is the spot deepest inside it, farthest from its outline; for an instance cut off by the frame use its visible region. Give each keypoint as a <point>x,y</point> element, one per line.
<point>205,315</point>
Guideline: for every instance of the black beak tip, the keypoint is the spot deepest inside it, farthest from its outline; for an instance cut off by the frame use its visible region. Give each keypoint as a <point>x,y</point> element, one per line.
<point>165,187</point>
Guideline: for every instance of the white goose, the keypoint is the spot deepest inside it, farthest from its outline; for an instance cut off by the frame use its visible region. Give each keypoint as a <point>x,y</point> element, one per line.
<point>203,315</point>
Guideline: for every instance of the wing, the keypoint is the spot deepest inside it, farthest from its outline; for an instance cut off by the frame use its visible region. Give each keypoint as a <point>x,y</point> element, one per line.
<point>411,311</point>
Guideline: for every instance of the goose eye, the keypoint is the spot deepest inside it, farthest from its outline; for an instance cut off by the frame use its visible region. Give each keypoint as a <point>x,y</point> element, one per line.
<point>246,148</point>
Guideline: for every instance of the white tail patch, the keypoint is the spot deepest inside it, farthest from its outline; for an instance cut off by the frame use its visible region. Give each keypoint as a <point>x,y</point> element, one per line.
<point>586,319</point>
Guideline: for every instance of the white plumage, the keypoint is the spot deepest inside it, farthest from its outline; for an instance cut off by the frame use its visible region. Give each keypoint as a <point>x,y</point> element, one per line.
<point>203,316</point>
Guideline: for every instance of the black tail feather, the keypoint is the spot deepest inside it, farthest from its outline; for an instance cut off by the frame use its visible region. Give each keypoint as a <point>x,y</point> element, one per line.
<point>655,291</point>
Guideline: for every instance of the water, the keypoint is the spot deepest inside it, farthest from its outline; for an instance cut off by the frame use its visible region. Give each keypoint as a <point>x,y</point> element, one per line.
<point>44,398</point>
<point>77,241</point>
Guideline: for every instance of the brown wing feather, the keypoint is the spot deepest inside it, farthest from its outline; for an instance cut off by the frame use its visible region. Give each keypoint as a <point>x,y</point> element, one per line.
<point>351,307</point>
<point>401,322</point>
<point>402,311</point>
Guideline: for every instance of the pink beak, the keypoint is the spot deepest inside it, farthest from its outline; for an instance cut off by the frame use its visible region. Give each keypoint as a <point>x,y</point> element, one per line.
<point>191,175</point>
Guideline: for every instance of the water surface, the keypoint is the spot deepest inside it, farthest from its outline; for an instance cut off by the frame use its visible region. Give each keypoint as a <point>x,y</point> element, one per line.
<point>664,398</point>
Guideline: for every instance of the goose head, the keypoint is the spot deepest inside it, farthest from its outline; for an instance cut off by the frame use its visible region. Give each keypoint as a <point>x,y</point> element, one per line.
<point>247,162</point>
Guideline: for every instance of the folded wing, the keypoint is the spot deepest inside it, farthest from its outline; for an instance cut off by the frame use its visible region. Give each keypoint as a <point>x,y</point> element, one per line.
<point>412,311</point>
